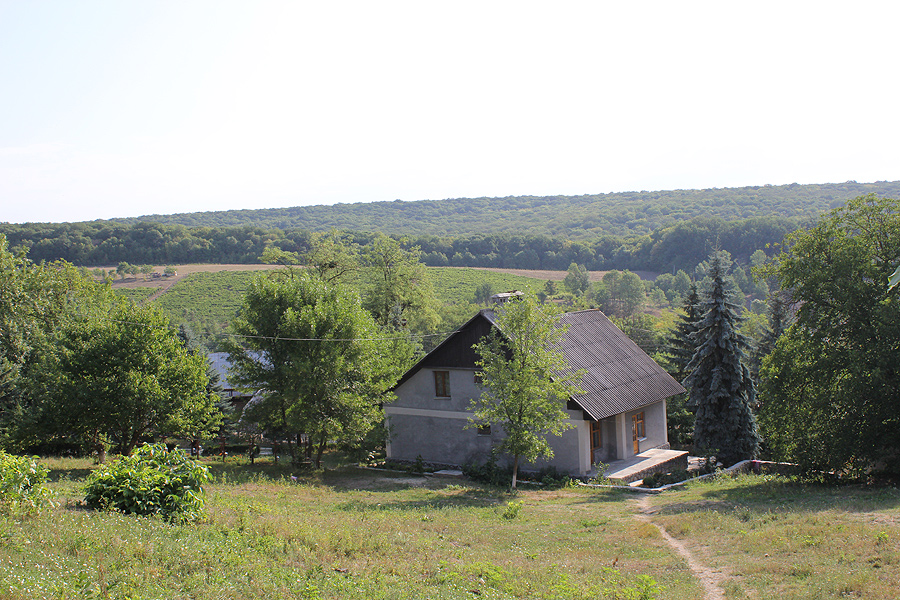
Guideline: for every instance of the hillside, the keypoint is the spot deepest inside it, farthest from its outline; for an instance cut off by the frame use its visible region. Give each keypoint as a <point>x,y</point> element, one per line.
<point>654,231</point>
<point>571,217</point>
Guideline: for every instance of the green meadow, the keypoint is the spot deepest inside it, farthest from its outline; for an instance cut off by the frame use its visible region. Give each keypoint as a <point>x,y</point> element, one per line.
<point>345,532</point>
<point>206,302</point>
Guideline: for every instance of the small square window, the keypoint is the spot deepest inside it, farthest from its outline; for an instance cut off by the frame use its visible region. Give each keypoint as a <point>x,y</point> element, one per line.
<point>442,384</point>
<point>484,429</point>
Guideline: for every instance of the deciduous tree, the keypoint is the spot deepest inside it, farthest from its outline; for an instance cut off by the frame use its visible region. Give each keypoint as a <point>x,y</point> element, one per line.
<point>318,357</point>
<point>125,377</point>
<point>526,380</point>
<point>577,279</point>
<point>831,387</point>
<point>36,300</point>
<point>401,296</point>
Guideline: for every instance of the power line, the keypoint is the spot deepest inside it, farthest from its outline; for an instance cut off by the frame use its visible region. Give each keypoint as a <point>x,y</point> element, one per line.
<point>289,339</point>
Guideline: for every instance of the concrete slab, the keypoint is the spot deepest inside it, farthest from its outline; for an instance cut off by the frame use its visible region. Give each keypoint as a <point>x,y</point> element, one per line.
<point>640,465</point>
<point>452,473</point>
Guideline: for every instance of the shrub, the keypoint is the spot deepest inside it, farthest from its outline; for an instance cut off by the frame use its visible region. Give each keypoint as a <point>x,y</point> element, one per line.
<point>22,490</point>
<point>152,481</point>
<point>513,509</point>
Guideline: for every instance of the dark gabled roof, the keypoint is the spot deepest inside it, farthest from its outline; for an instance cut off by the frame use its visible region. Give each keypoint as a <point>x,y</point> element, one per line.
<point>456,350</point>
<point>618,375</point>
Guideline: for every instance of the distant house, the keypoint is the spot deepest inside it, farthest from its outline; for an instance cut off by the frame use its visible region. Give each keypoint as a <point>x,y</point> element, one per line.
<point>236,397</point>
<point>621,413</point>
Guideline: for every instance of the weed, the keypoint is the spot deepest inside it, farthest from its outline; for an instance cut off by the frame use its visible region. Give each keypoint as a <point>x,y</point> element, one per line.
<point>22,485</point>
<point>513,509</point>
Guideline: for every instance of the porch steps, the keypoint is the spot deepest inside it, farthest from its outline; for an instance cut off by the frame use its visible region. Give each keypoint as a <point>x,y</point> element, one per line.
<point>644,464</point>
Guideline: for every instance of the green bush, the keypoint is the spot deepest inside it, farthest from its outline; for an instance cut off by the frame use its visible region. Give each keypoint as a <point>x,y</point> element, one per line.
<point>152,481</point>
<point>22,490</point>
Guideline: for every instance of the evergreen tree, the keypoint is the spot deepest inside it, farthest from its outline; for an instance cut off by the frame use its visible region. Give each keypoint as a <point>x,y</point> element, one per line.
<point>679,352</point>
<point>681,345</point>
<point>721,388</point>
<point>778,323</point>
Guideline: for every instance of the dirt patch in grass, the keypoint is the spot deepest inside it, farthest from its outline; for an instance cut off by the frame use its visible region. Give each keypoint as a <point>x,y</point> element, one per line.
<point>555,275</point>
<point>162,284</point>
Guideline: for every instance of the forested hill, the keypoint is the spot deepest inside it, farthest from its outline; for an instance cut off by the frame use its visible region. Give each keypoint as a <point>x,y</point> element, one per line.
<point>570,217</point>
<point>658,231</point>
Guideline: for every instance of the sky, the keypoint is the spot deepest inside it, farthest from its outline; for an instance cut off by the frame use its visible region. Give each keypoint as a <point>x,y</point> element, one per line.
<point>121,109</point>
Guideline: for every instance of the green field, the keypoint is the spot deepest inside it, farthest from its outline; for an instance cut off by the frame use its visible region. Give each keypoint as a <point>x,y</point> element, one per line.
<point>135,294</point>
<point>206,302</point>
<point>351,533</point>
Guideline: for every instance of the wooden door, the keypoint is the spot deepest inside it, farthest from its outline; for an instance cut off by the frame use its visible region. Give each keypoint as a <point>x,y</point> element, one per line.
<point>636,444</point>
<point>596,441</point>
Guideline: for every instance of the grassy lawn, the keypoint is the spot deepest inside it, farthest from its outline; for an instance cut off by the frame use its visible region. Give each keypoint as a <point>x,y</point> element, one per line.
<point>345,533</point>
<point>350,533</point>
<point>778,538</point>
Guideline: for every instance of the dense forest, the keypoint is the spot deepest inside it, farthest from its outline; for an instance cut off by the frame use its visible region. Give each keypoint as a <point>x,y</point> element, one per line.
<point>659,231</point>
<point>679,246</point>
<point>570,217</point>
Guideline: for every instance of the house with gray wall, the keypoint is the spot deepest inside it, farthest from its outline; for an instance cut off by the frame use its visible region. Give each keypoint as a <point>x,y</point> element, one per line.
<point>621,412</point>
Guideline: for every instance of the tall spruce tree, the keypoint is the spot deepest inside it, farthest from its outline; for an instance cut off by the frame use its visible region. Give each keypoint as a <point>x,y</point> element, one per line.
<point>680,343</point>
<point>779,320</point>
<point>721,388</point>
<point>680,346</point>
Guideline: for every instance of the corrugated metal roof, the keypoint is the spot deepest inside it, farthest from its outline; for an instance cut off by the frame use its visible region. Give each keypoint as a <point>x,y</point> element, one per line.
<point>618,375</point>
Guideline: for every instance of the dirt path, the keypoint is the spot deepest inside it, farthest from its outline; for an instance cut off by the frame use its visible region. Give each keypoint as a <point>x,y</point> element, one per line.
<point>710,579</point>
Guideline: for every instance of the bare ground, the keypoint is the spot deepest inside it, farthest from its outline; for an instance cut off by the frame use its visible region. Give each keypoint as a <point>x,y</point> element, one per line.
<point>554,275</point>
<point>163,284</point>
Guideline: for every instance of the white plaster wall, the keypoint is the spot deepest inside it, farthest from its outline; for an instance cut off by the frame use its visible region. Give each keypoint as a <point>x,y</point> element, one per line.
<point>654,426</point>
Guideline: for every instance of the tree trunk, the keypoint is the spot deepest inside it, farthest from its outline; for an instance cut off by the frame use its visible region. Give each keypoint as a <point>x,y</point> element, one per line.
<point>515,470</point>
<point>321,449</point>
<point>284,422</point>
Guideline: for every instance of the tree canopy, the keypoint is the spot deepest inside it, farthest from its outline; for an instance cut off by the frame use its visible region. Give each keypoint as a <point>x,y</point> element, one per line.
<point>830,395</point>
<point>526,380</point>
<point>318,358</point>
<point>126,377</point>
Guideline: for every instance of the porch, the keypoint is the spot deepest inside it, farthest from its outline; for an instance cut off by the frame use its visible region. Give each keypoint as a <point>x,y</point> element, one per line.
<point>643,464</point>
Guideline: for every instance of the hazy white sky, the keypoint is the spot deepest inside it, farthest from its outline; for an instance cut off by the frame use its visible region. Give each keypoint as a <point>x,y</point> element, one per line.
<point>114,109</point>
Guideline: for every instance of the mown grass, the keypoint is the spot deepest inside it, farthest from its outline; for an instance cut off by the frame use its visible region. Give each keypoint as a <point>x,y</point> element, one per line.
<point>781,538</point>
<point>345,533</point>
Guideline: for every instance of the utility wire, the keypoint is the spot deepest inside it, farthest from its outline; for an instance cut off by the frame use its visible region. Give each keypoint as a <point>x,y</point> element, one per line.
<point>288,339</point>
